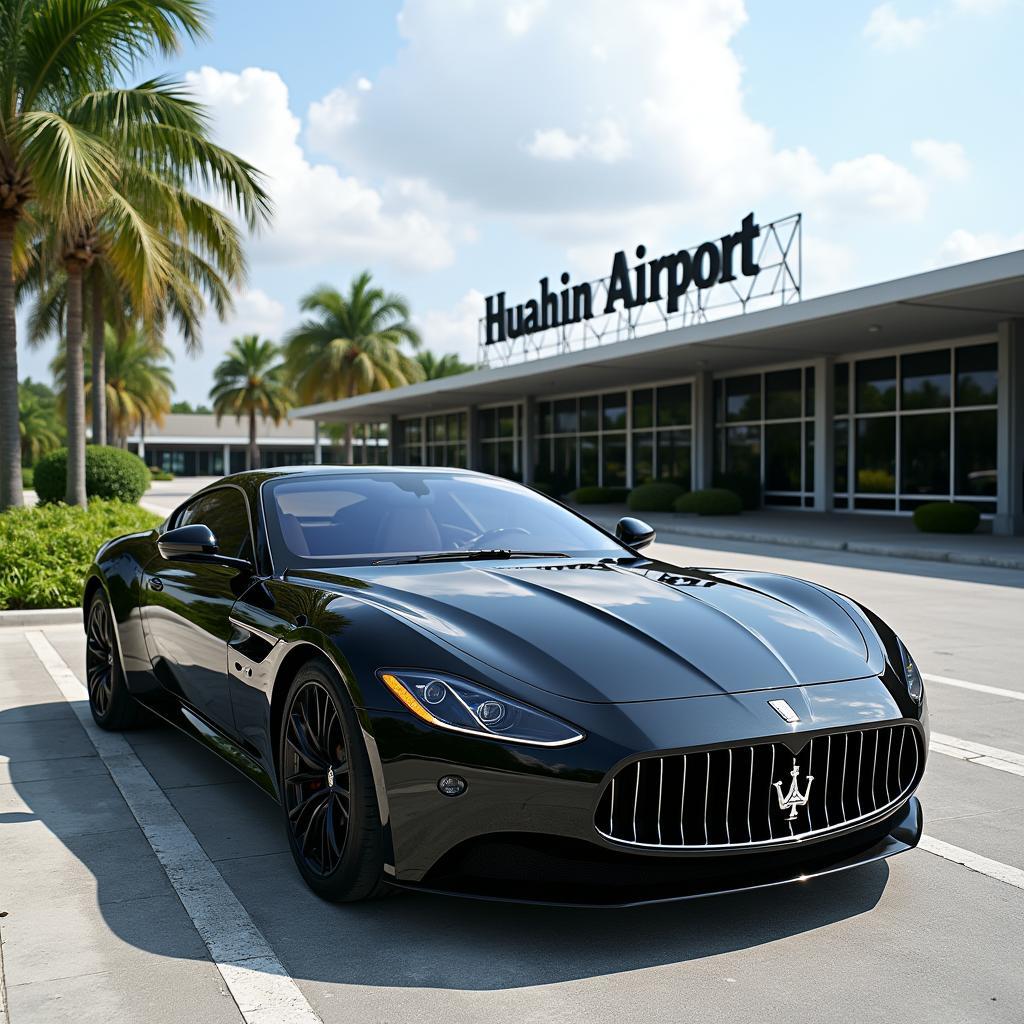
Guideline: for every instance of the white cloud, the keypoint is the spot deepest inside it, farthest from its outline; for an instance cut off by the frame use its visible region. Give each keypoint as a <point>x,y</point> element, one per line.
<point>943,159</point>
<point>455,329</point>
<point>364,84</point>
<point>887,30</point>
<point>321,213</point>
<point>607,144</point>
<point>962,245</point>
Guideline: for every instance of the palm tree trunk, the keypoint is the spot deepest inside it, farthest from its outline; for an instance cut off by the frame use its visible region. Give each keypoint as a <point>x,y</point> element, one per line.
<point>75,494</point>
<point>253,457</point>
<point>99,363</point>
<point>10,438</point>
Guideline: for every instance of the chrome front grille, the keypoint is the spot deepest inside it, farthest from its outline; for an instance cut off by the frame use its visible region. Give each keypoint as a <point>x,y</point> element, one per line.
<point>737,796</point>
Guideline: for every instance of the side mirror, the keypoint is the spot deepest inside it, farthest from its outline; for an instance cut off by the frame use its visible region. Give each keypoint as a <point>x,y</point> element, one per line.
<point>197,543</point>
<point>634,533</point>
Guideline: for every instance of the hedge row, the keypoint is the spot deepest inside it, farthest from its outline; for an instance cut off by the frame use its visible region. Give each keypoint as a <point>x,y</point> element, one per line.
<point>110,473</point>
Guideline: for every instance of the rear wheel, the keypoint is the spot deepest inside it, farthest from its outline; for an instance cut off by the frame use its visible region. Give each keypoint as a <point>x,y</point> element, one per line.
<point>112,706</point>
<point>327,789</point>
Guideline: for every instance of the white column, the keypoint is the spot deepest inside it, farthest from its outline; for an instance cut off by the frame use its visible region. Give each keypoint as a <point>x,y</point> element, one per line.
<point>318,455</point>
<point>227,459</point>
<point>703,430</point>
<point>1009,517</point>
<point>473,452</point>
<point>393,440</point>
<point>824,433</point>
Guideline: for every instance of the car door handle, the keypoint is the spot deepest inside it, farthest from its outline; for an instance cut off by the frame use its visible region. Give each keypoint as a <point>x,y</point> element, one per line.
<point>156,583</point>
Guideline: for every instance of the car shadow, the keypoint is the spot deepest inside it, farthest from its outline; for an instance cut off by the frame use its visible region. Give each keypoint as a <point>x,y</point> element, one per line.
<point>405,940</point>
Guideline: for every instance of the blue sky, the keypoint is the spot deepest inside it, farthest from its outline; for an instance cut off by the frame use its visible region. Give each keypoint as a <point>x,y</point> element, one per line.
<point>457,147</point>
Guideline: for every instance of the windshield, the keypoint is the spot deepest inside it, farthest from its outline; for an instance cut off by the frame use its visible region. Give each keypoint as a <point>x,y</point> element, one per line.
<point>354,518</point>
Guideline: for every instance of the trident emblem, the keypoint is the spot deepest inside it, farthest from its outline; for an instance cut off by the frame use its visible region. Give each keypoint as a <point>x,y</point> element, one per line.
<point>793,799</point>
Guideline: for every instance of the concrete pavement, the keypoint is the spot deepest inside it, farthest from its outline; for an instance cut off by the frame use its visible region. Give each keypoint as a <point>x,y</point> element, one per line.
<point>95,931</point>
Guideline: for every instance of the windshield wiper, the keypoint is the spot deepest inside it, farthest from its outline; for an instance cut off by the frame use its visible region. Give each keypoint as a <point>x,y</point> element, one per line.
<point>470,555</point>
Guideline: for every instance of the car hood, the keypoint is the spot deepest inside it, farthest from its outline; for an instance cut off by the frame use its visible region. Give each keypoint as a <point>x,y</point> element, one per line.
<point>608,632</point>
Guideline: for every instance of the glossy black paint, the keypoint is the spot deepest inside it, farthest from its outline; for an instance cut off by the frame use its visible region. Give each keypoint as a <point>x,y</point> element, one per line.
<point>642,656</point>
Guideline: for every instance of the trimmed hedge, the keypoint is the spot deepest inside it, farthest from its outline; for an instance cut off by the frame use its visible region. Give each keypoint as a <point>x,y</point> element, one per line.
<point>715,501</point>
<point>657,497</point>
<point>27,478</point>
<point>746,486</point>
<point>946,517</point>
<point>48,549</point>
<point>155,473</point>
<point>110,473</point>
<point>598,495</point>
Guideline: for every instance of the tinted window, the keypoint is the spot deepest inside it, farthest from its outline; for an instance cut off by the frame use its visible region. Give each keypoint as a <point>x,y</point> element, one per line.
<point>782,394</point>
<point>876,384</point>
<point>977,375</point>
<point>743,398</point>
<point>224,512</point>
<point>925,379</point>
<point>354,517</point>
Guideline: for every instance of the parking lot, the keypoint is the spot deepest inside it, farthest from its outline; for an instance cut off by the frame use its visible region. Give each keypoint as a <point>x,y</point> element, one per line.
<point>94,929</point>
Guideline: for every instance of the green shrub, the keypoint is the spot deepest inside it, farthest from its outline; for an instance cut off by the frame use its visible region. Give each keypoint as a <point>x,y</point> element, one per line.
<point>110,473</point>
<point>715,501</point>
<point>27,477</point>
<point>598,495</point>
<point>748,488</point>
<point>156,473</point>
<point>657,497</point>
<point>47,550</point>
<point>946,517</point>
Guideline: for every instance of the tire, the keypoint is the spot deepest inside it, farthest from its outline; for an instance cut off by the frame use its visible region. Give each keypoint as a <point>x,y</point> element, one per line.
<point>113,707</point>
<point>328,797</point>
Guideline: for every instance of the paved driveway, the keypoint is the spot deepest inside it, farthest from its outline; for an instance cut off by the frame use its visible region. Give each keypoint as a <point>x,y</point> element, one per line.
<point>95,930</point>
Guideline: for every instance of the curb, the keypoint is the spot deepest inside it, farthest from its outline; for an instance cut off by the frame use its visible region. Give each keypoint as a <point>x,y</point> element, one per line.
<point>41,617</point>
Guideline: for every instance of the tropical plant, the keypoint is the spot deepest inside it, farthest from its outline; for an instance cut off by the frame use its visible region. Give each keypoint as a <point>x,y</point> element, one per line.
<point>435,366</point>
<point>38,425</point>
<point>137,380</point>
<point>250,382</point>
<point>110,473</point>
<point>351,345</point>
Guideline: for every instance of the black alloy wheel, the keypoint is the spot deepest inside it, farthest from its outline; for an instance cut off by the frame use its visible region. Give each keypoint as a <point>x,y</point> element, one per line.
<point>112,706</point>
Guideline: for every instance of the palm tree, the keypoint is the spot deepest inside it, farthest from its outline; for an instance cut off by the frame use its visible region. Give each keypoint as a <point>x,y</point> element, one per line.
<point>38,427</point>
<point>351,345</point>
<point>250,381</point>
<point>441,366</point>
<point>51,166</point>
<point>137,381</point>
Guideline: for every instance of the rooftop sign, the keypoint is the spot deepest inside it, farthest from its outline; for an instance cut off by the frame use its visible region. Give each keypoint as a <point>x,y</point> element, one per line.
<point>754,265</point>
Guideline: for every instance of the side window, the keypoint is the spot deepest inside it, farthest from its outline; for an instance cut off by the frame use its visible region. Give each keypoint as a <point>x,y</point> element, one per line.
<point>224,512</point>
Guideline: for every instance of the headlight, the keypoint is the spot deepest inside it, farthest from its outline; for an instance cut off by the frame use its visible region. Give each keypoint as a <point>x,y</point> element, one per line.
<point>461,706</point>
<point>911,674</point>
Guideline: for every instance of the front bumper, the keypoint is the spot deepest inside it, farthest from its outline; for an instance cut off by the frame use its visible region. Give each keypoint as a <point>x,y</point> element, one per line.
<point>524,827</point>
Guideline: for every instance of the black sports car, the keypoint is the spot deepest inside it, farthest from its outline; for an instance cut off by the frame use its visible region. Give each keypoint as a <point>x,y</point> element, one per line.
<point>453,683</point>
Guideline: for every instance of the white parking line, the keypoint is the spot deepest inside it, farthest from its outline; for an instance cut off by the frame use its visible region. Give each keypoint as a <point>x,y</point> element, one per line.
<point>254,976</point>
<point>977,753</point>
<point>974,861</point>
<point>996,691</point>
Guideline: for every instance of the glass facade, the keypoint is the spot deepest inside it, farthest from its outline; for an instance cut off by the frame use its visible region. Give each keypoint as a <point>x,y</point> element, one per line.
<point>501,440</point>
<point>439,440</point>
<point>764,432</point>
<point>915,427</point>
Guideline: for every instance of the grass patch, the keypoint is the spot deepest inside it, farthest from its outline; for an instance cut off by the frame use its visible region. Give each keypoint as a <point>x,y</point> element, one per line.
<point>47,550</point>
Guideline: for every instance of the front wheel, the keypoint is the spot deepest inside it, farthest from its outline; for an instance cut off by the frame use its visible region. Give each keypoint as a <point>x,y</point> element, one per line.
<point>327,790</point>
<point>112,706</point>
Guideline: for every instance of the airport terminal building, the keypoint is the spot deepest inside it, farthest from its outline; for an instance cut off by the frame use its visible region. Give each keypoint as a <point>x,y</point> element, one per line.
<point>705,366</point>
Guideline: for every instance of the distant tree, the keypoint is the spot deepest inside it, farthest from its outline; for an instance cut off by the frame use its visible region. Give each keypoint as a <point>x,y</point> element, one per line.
<point>188,407</point>
<point>38,424</point>
<point>441,366</point>
<point>351,345</point>
<point>250,381</point>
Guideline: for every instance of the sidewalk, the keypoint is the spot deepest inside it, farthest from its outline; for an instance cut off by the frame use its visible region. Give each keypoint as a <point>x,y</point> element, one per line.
<point>886,536</point>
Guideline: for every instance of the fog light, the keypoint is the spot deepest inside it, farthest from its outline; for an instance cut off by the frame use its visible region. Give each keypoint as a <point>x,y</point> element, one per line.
<point>451,785</point>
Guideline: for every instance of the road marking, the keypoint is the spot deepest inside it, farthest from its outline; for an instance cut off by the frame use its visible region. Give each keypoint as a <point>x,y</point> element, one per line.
<point>977,753</point>
<point>251,970</point>
<point>996,691</point>
<point>974,861</point>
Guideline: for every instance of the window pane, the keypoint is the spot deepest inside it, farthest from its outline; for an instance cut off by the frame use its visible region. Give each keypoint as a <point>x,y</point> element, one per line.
<point>976,453</point>
<point>565,416</point>
<point>719,400</point>
<point>643,409</point>
<point>809,391</point>
<point>841,484</point>
<point>674,406</point>
<point>614,460</point>
<point>224,512</point>
<point>674,456</point>
<point>563,474</point>
<point>507,459</point>
<point>489,457</point>
<point>924,454</point>
<point>588,413</point>
<point>876,385</point>
<point>435,428</point>
<point>876,455</point>
<point>782,394</point>
<point>588,461</point>
<point>545,424</point>
<point>487,420</point>
<point>643,456</point>
<point>743,398</point>
<point>842,394</point>
<point>743,451</point>
<point>782,457</point>
<point>614,411</point>
<point>507,421</point>
<point>977,375</point>
<point>925,381</point>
